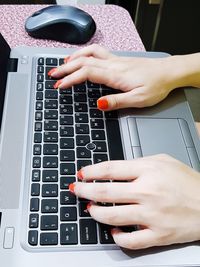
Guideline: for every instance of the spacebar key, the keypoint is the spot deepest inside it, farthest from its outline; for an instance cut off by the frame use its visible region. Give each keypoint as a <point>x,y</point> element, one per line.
<point>114,140</point>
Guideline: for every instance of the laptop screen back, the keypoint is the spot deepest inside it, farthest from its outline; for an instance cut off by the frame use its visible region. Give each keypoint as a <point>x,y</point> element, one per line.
<point>4,55</point>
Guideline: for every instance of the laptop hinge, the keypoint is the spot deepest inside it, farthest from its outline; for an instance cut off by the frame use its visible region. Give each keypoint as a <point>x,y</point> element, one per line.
<point>12,65</point>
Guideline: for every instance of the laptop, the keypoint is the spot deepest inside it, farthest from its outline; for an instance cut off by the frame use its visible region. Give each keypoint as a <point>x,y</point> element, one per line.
<point>48,135</point>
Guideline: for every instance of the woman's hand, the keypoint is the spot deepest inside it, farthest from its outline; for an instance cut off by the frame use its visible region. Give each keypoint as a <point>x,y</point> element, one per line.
<point>159,193</point>
<point>143,81</point>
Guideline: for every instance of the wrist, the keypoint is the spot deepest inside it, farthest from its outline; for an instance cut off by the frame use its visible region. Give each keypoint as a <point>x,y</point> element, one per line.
<point>184,70</point>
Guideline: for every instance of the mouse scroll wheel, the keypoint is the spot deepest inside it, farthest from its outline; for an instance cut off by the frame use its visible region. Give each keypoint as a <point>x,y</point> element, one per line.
<point>36,13</point>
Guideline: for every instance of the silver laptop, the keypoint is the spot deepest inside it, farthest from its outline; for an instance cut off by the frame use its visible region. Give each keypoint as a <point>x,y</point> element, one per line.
<point>47,135</point>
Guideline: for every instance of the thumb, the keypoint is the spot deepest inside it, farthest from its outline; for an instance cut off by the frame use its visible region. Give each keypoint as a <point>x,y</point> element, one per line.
<point>118,101</point>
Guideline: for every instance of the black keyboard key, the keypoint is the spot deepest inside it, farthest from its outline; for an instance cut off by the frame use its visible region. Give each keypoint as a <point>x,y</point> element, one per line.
<point>67,168</point>
<point>66,143</point>
<point>61,61</point>
<point>51,114</point>
<point>50,176</point>
<point>37,149</point>
<point>96,123</point>
<point>51,104</point>
<point>83,163</point>
<point>92,103</point>
<point>50,162</point>
<point>49,206</point>
<point>66,120</point>
<point>66,131</point>
<point>37,138</point>
<point>39,105</point>
<point>81,118</point>
<point>100,146</point>
<point>38,115</point>
<point>82,140</point>
<point>39,87</point>
<point>34,204</point>
<point>83,212</point>
<point>65,99</point>
<point>68,234</point>
<point>40,78</point>
<point>51,61</point>
<point>39,96</point>
<point>50,149</point>
<point>35,175</point>
<point>83,152</point>
<point>94,93</point>
<point>49,190</point>
<point>38,126</point>
<point>33,237</point>
<point>98,135</point>
<point>33,220</point>
<point>49,222</point>
<point>40,69</point>
<point>51,94</point>
<point>40,61</point>
<point>82,129</point>
<point>79,97</point>
<point>92,85</point>
<point>50,125</point>
<point>48,239</point>
<point>105,234</point>
<point>66,181</point>
<point>67,155</point>
<point>67,198</point>
<point>95,113</point>
<point>36,162</point>
<point>111,114</point>
<point>35,189</point>
<point>68,214</point>
<point>49,84</point>
<point>81,107</point>
<point>114,140</point>
<point>88,231</point>
<point>99,157</point>
<point>80,88</point>
<point>66,109</point>
<point>66,91</point>
<point>50,137</point>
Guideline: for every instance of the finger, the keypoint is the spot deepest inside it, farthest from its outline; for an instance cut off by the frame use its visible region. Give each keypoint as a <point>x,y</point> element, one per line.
<point>113,170</point>
<point>92,74</point>
<point>117,215</point>
<point>135,240</point>
<point>107,192</point>
<point>121,100</point>
<point>75,65</point>
<point>93,50</point>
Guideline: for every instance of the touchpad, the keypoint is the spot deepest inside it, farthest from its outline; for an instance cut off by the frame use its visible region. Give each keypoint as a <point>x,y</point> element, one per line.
<point>160,136</point>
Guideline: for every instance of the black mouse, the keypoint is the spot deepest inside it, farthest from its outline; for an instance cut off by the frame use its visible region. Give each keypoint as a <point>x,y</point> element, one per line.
<point>61,23</point>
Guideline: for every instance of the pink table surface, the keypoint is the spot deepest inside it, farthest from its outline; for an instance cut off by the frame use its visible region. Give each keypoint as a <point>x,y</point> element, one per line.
<point>115,29</point>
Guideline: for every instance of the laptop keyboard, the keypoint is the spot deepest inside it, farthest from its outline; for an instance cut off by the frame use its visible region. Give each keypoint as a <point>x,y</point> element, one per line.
<point>69,133</point>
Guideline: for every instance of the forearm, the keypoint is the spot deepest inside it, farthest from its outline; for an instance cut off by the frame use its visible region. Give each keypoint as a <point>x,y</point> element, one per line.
<point>184,70</point>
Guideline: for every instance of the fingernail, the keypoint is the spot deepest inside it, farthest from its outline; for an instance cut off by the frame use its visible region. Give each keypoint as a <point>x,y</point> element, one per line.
<point>57,84</point>
<point>102,104</point>
<point>71,188</point>
<point>52,71</point>
<point>88,206</point>
<point>66,59</point>
<point>80,175</point>
<point>113,231</point>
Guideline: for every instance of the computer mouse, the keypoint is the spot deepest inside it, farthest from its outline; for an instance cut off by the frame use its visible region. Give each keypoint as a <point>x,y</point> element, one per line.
<point>61,23</point>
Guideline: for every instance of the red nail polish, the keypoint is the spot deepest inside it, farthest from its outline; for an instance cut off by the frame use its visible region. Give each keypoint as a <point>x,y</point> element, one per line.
<point>66,59</point>
<point>113,231</point>
<point>57,84</point>
<point>80,175</point>
<point>102,104</point>
<point>51,71</point>
<point>89,205</point>
<point>71,188</point>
